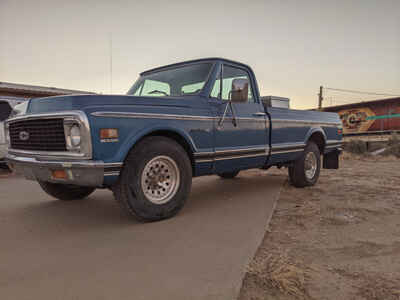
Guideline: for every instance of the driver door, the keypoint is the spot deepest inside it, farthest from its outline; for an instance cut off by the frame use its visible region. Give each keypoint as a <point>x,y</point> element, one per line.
<point>240,129</point>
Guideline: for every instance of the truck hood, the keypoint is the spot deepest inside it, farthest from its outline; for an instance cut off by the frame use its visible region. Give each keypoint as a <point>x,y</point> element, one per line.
<point>83,102</point>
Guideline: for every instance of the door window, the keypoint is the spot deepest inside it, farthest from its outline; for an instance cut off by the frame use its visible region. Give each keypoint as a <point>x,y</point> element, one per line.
<point>215,93</point>
<point>228,75</point>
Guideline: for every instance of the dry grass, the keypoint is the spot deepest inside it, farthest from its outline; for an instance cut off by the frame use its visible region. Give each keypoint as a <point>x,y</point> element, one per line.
<point>379,290</point>
<point>373,286</point>
<point>367,157</point>
<point>356,146</point>
<point>279,272</point>
<point>360,147</point>
<point>348,240</point>
<point>394,139</point>
<point>393,146</point>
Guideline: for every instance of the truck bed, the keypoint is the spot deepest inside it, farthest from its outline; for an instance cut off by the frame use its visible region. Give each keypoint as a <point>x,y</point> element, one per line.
<point>302,115</point>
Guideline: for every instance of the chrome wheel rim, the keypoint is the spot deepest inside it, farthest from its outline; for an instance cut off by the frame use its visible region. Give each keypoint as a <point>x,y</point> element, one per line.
<point>310,165</point>
<point>160,179</point>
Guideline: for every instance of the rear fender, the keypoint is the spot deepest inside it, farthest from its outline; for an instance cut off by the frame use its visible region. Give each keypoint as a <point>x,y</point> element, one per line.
<point>317,131</point>
<point>312,131</point>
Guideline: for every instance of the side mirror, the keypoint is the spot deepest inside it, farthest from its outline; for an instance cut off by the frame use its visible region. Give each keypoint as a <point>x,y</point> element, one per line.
<point>240,90</point>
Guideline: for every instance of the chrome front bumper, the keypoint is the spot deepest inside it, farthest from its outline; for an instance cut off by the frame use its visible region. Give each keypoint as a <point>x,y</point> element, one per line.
<point>84,172</point>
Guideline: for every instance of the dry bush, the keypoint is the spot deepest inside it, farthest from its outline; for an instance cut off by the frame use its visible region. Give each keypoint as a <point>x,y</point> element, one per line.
<point>356,147</point>
<point>279,272</point>
<point>394,139</point>
<point>348,156</point>
<point>393,146</point>
<point>345,155</point>
<point>367,157</point>
<point>392,150</point>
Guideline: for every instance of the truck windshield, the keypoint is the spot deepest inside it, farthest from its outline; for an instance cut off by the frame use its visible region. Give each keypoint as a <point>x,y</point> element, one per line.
<point>180,81</point>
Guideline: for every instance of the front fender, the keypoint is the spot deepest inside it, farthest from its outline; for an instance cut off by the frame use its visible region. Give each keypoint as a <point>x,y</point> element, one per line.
<point>133,138</point>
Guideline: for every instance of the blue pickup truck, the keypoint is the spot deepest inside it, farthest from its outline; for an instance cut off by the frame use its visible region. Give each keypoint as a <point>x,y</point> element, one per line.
<point>179,121</point>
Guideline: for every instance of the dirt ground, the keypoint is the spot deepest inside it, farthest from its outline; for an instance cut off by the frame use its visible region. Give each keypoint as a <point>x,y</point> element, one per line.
<point>337,240</point>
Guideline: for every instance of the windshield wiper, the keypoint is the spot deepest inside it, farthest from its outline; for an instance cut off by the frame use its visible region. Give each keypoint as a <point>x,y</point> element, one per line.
<point>158,92</point>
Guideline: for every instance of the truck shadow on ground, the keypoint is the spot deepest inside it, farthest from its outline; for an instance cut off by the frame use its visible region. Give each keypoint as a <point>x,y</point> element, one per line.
<point>210,197</point>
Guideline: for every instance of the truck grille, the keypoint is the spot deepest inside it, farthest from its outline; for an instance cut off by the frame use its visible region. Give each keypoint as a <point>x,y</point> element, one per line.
<point>38,135</point>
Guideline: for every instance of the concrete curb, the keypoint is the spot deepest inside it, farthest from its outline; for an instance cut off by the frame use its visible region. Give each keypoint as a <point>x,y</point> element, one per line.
<point>266,226</point>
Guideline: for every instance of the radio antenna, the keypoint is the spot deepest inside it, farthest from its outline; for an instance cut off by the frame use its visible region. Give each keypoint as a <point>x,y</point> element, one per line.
<point>110,52</point>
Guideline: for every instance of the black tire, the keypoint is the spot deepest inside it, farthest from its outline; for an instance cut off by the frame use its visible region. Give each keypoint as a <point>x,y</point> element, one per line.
<point>129,191</point>
<point>228,175</point>
<point>297,172</point>
<point>66,192</point>
<point>4,166</point>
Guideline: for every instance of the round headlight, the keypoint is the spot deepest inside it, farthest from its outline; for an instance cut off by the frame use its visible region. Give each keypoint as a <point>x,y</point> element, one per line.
<point>75,134</point>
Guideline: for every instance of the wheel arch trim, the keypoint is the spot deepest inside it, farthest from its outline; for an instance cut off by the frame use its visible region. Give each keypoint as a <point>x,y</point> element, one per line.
<point>180,136</point>
<point>318,135</point>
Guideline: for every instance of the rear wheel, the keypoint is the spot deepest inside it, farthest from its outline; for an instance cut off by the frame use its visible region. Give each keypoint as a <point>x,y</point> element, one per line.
<point>305,170</point>
<point>66,192</point>
<point>155,181</point>
<point>228,175</point>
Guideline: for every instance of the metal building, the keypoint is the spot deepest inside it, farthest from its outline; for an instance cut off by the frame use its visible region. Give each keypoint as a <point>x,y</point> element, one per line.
<point>12,94</point>
<point>33,91</point>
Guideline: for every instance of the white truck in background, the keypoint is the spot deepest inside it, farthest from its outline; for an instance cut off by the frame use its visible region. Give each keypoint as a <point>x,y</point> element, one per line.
<point>9,106</point>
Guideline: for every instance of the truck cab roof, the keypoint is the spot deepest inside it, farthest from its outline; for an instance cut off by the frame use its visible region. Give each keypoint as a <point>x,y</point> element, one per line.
<point>209,59</point>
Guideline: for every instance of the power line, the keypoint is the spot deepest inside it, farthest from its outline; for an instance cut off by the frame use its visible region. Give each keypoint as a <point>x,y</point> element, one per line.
<point>346,101</point>
<point>361,97</point>
<point>342,98</point>
<point>361,92</point>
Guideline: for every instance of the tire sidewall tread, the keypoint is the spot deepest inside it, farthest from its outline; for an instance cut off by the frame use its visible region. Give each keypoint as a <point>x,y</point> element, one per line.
<point>297,173</point>
<point>128,191</point>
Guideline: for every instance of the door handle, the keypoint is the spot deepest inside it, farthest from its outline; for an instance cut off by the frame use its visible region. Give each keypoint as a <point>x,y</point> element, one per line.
<point>259,114</point>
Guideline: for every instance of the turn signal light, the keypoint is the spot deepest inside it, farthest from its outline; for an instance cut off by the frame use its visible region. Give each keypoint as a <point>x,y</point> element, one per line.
<point>59,174</point>
<point>108,133</point>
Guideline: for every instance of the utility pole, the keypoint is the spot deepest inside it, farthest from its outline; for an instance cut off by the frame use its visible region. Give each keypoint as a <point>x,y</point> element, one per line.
<point>320,98</point>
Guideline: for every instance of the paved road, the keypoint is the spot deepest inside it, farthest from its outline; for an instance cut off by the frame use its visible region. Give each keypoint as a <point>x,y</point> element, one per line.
<point>87,249</point>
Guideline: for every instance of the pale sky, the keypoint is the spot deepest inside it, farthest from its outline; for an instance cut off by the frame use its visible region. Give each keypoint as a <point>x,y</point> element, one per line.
<point>292,46</point>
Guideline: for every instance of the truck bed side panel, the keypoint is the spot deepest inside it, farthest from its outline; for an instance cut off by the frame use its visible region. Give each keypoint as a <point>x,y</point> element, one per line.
<point>291,129</point>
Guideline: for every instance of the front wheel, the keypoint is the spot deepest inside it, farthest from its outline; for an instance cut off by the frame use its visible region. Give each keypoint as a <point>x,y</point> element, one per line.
<point>66,192</point>
<point>305,170</point>
<point>155,181</point>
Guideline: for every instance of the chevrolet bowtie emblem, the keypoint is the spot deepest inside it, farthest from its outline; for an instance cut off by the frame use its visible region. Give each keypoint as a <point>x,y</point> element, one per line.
<point>24,135</point>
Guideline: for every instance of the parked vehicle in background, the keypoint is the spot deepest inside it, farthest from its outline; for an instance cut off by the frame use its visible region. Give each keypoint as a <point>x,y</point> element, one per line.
<point>183,120</point>
<point>7,104</point>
